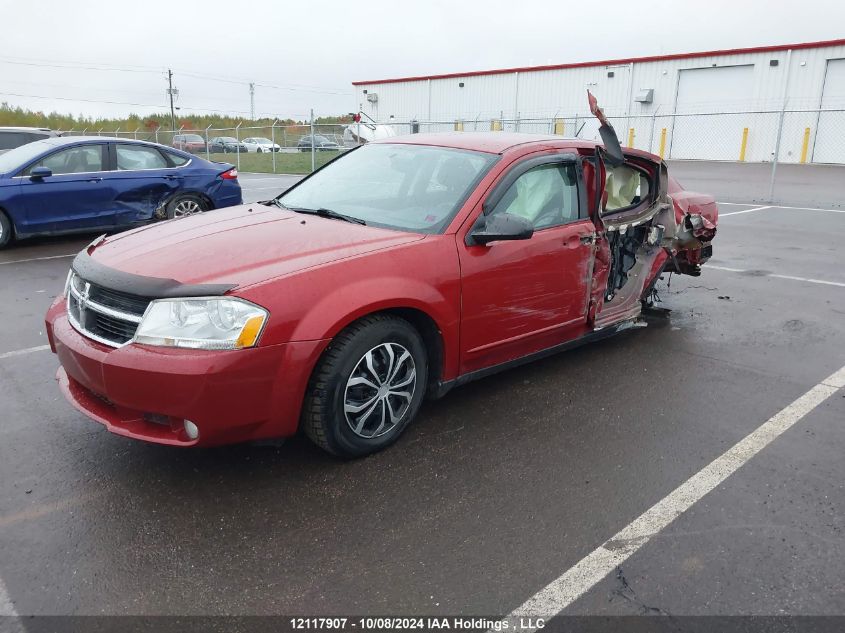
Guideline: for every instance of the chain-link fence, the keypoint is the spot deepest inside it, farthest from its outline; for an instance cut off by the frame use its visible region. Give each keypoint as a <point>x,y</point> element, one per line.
<point>281,149</point>
<point>777,136</point>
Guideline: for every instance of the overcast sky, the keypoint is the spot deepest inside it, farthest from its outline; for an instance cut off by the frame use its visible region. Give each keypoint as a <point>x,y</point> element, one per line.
<point>306,54</point>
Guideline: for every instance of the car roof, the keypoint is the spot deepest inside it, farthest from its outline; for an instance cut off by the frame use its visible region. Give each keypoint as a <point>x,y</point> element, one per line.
<point>491,142</point>
<point>58,141</point>
<point>13,128</point>
<point>500,142</point>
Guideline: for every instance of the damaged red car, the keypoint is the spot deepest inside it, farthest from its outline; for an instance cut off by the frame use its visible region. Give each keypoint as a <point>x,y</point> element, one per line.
<point>398,271</point>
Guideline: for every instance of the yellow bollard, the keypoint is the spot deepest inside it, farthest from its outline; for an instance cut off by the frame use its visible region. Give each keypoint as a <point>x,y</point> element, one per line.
<point>805,145</point>
<point>459,126</point>
<point>559,127</point>
<point>744,144</point>
<point>662,142</point>
<point>631,137</point>
<point>495,126</point>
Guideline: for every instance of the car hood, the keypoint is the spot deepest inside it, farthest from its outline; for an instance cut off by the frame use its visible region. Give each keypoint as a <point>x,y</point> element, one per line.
<point>240,245</point>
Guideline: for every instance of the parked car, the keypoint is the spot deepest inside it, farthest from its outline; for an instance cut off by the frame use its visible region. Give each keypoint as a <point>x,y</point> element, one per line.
<point>260,144</point>
<point>191,143</point>
<point>12,137</point>
<point>400,270</point>
<point>228,144</point>
<point>71,184</point>
<point>321,143</point>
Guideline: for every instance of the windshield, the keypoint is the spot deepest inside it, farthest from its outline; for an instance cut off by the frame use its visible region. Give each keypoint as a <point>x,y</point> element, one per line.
<point>227,139</point>
<point>262,140</point>
<point>408,187</point>
<point>193,137</point>
<point>20,156</point>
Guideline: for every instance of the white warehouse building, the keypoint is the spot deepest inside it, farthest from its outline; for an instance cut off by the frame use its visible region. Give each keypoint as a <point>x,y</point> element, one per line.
<point>739,104</point>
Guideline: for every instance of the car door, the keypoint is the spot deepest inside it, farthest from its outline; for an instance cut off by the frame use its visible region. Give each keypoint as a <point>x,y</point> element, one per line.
<point>74,197</point>
<point>628,237</point>
<point>140,179</point>
<point>523,296</point>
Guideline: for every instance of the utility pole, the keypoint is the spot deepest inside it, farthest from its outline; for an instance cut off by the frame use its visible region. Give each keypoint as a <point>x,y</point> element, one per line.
<point>252,101</point>
<point>170,94</point>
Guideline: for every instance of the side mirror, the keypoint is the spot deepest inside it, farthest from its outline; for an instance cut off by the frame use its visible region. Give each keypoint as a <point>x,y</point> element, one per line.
<point>40,173</point>
<point>501,226</point>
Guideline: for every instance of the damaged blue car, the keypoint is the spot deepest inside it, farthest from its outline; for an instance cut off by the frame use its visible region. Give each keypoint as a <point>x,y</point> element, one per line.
<point>80,184</point>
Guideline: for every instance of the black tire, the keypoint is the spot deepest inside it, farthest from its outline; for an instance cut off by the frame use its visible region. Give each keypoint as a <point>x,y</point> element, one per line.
<point>6,232</point>
<point>181,201</point>
<point>324,418</point>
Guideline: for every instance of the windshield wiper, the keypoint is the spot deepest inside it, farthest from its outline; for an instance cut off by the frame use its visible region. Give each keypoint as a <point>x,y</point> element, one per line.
<point>324,213</point>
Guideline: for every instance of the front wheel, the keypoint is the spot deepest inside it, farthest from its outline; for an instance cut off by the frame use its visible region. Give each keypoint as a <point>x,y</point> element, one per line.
<point>367,387</point>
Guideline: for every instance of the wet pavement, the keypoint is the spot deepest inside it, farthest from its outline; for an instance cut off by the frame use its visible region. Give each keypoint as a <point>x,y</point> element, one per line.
<point>491,494</point>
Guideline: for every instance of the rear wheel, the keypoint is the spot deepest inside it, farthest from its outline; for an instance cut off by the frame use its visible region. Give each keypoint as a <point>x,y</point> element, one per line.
<point>5,230</point>
<point>184,205</point>
<point>367,387</point>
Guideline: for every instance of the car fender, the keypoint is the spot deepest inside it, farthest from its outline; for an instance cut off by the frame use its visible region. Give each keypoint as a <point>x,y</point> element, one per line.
<point>346,304</point>
<point>326,308</point>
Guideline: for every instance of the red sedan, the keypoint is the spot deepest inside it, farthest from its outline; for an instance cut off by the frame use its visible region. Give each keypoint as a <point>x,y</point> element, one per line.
<point>399,270</point>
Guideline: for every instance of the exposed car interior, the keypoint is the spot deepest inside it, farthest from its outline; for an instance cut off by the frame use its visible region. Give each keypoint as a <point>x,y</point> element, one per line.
<point>626,187</point>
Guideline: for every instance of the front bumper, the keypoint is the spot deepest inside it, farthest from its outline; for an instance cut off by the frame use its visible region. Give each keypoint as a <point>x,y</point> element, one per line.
<point>147,392</point>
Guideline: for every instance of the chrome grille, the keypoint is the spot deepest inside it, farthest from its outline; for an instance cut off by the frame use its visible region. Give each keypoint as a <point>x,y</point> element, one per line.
<point>104,315</point>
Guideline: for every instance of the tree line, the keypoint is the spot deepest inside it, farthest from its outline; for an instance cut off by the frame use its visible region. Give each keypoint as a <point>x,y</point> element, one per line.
<point>17,116</point>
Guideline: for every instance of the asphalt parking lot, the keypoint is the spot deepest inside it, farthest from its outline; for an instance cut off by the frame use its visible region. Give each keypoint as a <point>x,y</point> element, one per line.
<point>494,493</point>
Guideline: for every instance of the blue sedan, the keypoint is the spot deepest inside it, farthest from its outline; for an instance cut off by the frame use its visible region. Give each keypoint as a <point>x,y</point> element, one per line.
<point>76,184</point>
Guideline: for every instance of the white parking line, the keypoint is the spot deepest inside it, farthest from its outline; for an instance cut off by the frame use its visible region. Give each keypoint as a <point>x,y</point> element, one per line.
<point>7,609</point>
<point>35,259</point>
<point>812,209</point>
<point>808,280</point>
<point>777,206</point>
<point>721,215</point>
<point>21,352</point>
<point>567,588</point>
<point>276,177</point>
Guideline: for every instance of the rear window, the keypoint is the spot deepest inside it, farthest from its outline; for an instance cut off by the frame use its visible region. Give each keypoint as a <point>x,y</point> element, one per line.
<point>177,159</point>
<point>11,140</point>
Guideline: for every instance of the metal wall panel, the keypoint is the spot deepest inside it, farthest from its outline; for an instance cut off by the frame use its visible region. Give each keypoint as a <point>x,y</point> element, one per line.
<point>561,93</point>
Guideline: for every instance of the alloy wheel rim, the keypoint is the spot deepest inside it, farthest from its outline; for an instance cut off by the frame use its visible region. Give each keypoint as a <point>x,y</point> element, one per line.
<point>380,390</point>
<point>186,207</point>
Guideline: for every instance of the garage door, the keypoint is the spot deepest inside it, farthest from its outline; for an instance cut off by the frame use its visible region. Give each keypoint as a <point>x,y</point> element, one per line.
<point>711,92</point>
<point>830,136</point>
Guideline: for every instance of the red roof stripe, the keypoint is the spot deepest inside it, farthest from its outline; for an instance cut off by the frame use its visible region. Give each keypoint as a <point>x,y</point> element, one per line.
<point>608,62</point>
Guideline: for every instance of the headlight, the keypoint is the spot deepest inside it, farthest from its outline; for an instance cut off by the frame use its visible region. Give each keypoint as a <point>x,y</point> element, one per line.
<point>203,323</point>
